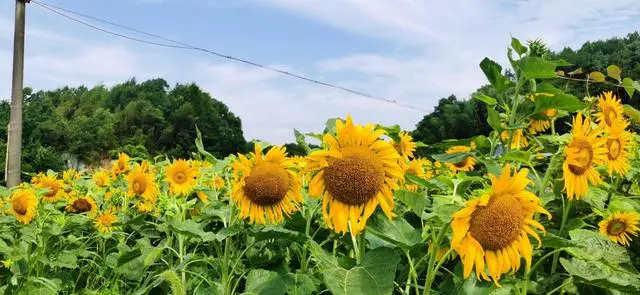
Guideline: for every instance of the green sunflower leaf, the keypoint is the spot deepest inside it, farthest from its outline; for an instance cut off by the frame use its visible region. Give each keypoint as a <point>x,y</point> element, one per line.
<point>264,282</point>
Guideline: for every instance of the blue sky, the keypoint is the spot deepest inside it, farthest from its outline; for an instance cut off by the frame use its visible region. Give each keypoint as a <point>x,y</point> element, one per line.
<point>409,50</point>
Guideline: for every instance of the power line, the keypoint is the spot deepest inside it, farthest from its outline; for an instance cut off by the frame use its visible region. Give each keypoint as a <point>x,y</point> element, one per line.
<point>181,45</point>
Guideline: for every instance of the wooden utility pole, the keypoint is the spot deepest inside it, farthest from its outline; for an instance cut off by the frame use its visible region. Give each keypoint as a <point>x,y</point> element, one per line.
<point>13,171</point>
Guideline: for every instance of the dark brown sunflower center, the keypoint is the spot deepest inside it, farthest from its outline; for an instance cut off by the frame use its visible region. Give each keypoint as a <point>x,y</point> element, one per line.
<point>584,156</point>
<point>139,186</point>
<point>52,191</point>
<point>616,227</point>
<point>82,205</point>
<point>20,206</point>
<point>498,224</point>
<point>613,145</point>
<point>355,178</point>
<point>268,184</point>
<point>179,177</point>
<point>610,116</point>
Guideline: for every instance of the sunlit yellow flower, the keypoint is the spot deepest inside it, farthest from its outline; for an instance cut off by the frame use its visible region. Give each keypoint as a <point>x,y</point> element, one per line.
<point>266,187</point>
<point>405,146</point>
<point>356,172</point>
<point>70,175</point>
<point>105,222</point>
<point>81,205</point>
<point>620,226</point>
<point>618,146</point>
<point>101,178</point>
<point>493,229</point>
<point>465,164</point>
<point>416,167</point>
<point>121,165</point>
<point>537,126</point>
<point>145,206</point>
<point>181,178</point>
<point>141,183</point>
<point>610,108</point>
<point>218,183</point>
<point>518,141</point>
<point>23,205</point>
<point>54,187</point>
<point>584,151</point>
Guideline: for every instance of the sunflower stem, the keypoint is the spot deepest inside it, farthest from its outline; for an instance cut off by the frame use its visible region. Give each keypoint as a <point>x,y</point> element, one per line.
<point>356,249</point>
<point>530,270</point>
<point>412,274</point>
<point>514,109</point>
<point>430,276</point>
<point>566,207</point>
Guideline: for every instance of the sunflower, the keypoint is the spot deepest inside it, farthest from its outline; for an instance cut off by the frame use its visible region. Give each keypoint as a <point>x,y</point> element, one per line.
<point>121,165</point>
<point>218,183</point>
<point>81,205</point>
<point>465,164</point>
<point>23,205</point>
<point>620,226</point>
<point>266,185</point>
<point>105,222</point>
<point>584,151</point>
<point>70,175</point>
<point>618,146</point>
<point>537,126</point>
<point>518,141</point>
<point>181,177</point>
<point>145,206</point>
<point>356,172</point>
<point>405,145</point>
<point>141,183</point>
<point>416,167</point>
<point>610,108</point>
<point>101,178</point>
<point>54,187</point>
<point>494,228</point>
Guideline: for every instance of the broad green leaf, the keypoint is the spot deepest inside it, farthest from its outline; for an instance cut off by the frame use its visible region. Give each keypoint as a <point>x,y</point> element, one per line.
<point>128,256</point>
<point>493,72</point>
<point>627,83</point>
<point>490,101</point>
<point>193,229</point>
<point>375,275</point>
<point>622,203</point>
<point>264,282</point>
<point>300,140</point>
<point>415,201</point>
<point>450,158</point>
<point>632,113</point>
<point>396,231</point>
<point>226,232</point>
<point>602,275</point>
<point>550,240</point>
<point>493,118</point>
<point>537,68</point>
<point>66,260</point>
<point>576,223</point>
<point>299,284</point>
<point>597,76</point>
<point>419,181</point>
<point>517,46</point>
<point>614,71</point>
<point>594,246</point>
<point>522,157</point>
<point>596,197</point>
<point>200,147</point>
<point>554,98</point>
<point>330,125</point>
<point>275,232</point>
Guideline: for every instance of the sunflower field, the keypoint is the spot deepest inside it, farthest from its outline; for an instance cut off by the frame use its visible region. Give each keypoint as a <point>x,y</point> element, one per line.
<point>524,210</point>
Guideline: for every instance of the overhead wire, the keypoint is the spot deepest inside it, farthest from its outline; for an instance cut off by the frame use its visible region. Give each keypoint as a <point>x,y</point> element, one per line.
<point>181,45</point>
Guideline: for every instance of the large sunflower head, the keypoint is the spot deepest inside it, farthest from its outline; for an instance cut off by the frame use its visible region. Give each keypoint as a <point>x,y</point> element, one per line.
<point>518,141</point>
<point>584,151</point>
<point>620,226</point>
<point>610,109</point>
<point>101,178</point>
<point>82,205</point>
<point>618,147</point>
<point>493,229</point>
<point>121,165</point>
<point>356,172</point>
<point>181,177</point>
<point>53,186</point>
<point>142,184</point>
<point>105,222</point>
<point>23,205</point>
<point>405,145</point>
<point>465,164</point>
<point>266,187</point>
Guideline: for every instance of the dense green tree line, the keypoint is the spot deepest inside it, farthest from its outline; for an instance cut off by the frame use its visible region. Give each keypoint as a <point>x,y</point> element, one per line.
<point>457,119</point>
<point>141,118</point>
